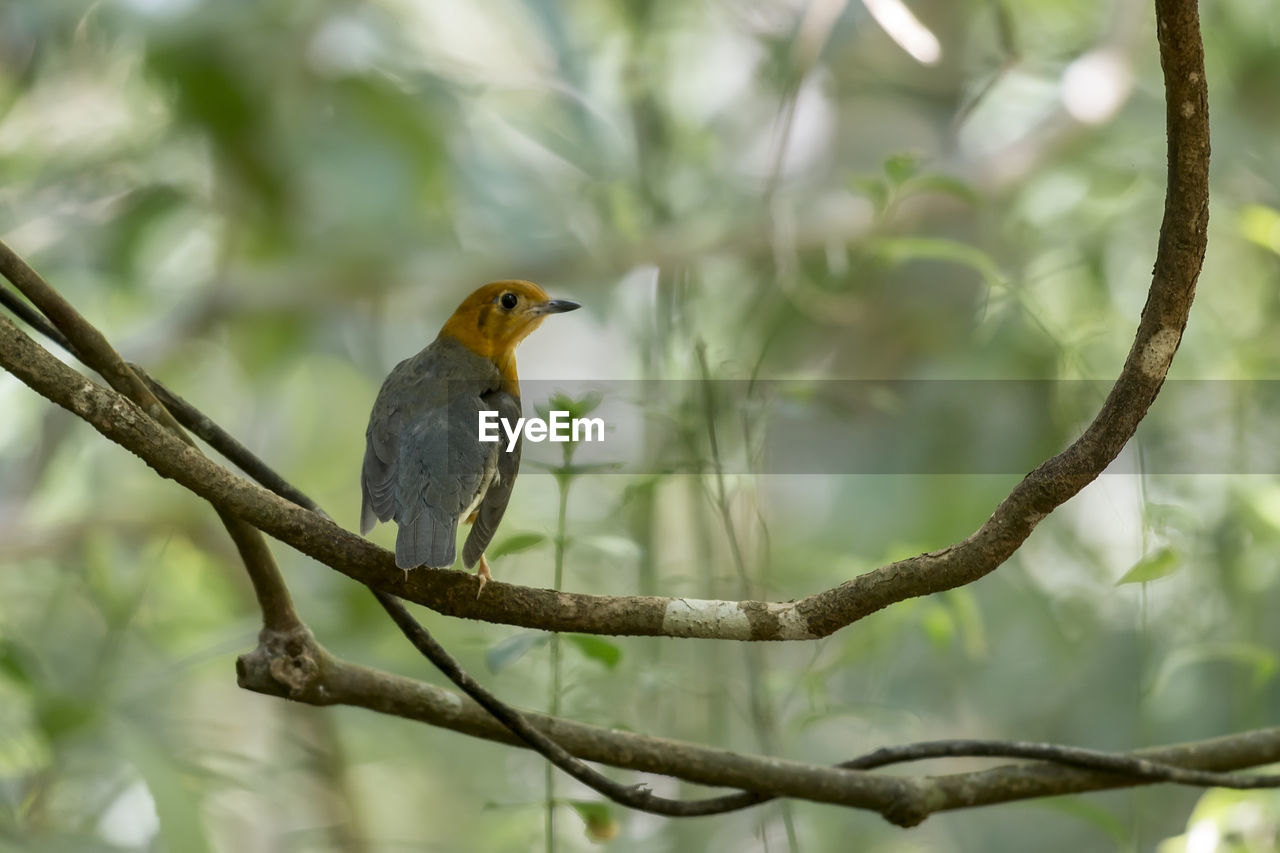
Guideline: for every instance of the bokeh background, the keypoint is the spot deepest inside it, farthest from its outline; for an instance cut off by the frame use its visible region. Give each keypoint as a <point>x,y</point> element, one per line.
<point>269,204</point>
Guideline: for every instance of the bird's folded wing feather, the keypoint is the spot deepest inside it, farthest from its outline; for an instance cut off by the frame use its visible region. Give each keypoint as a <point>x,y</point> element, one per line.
<point>489,513</point>
<point>424,463</point>
<point>381,451</point>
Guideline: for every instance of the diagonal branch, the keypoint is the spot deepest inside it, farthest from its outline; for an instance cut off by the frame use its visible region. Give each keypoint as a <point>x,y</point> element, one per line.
<point>88,344</point>
<point>633,796</point>
<point>185,413</point>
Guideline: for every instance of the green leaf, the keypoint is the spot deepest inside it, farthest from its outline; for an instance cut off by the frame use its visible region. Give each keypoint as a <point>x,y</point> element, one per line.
<point>597,648</point>
<point>901,167</point>
<point>938,626</point>
<point>944,185</point>
<point>15,663</point>
<point>506,652</point>
<point>577,407</point>
<point>514,544</point>
<point>614,547</point>
<point>963,606</point>
<point>1171,518</point>
<point>1155,565</point>
<point>1265,504</point>
<point>60,714</point>
<point>1260,225</point>
<point>138,212</point>
<point>903,249</point>
<point>600,823</point>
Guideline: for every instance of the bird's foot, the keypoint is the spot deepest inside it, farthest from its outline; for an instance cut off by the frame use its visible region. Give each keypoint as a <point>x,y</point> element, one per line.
<point>482,572</point>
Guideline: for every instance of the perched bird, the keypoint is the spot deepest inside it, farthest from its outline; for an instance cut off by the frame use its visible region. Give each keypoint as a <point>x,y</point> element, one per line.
<point>424,463</point>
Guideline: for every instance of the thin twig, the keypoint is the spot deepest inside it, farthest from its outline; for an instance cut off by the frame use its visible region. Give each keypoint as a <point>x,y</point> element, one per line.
<point>763,719</point>
<point>25,311</point>
<point>227,445</point>
<point>633,796</point>
<point>1137,769</point>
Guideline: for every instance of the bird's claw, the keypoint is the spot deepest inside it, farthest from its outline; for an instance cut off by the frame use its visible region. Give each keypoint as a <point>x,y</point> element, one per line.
<point>483,575</point>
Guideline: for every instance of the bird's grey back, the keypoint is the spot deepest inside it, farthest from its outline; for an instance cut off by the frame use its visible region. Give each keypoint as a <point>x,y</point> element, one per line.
<point>424,464</point>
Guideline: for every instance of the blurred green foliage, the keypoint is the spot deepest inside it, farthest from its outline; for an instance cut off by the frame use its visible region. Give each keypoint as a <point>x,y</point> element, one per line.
<point>269,204</point>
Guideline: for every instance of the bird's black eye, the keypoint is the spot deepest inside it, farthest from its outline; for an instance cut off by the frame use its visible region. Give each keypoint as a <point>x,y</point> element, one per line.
<point>509,300</point>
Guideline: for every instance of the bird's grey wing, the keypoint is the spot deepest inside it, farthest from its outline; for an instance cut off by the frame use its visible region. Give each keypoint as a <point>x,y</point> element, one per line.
<point>494,504</point>
<point>424,463</point>
<point>381,451</point>
<point>442,467</point>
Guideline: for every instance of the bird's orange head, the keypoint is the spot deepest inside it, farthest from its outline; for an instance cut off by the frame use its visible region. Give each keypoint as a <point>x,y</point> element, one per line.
<point>498,316</point>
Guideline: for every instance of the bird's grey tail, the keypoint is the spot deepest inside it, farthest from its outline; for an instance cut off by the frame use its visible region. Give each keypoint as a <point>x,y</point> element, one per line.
<point>431,540</point>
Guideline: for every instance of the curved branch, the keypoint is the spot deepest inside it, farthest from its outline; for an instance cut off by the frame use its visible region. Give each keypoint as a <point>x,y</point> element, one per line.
<point>1180,253</point>
<point>289,663</point>
<point>288,660</point>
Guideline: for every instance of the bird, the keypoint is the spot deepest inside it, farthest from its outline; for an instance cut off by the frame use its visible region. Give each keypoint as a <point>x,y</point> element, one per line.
<point>424,464</point>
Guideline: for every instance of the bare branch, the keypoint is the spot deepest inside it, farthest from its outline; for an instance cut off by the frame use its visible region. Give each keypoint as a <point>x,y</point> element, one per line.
<point>1179,256</point>
<point>289,663</point>
<point>88,344</point>
<point>225,443</point>
<point>1134,769</point>
<point>294,666</point>
<point>185,413</point>
<point>633,796</point>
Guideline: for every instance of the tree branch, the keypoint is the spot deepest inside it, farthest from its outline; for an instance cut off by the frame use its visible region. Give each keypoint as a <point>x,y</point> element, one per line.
<point>288,662</point>
<point>89,345</point>
<point>186,414</point>
<point>633,796</point>
<point>1179,256</point>
<point>298,668</point>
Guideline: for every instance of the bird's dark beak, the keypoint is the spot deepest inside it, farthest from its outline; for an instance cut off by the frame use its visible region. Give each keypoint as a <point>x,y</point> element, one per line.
<point>557,306</point>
